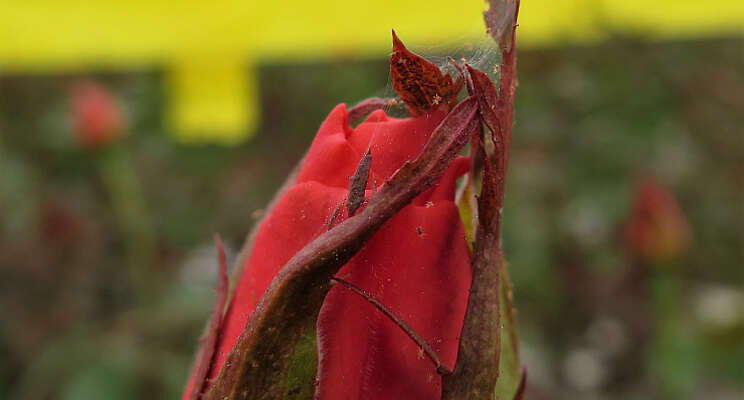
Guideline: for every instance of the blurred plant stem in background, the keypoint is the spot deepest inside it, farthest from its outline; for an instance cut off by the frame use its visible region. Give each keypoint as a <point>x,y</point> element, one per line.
<point>128,206</point>
<point>99,124</point>
<point>674,356</point>
<point>658,238</point>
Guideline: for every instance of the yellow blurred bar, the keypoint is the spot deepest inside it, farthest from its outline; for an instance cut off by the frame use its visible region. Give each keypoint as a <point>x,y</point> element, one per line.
<point>52,36</point>
<point>212,99</point>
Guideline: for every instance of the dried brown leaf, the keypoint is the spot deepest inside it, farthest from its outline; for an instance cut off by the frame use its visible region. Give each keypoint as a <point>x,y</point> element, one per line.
<point>420,84</point>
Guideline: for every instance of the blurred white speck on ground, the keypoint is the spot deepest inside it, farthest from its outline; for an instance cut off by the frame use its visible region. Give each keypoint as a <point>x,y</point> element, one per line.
<point>584,370</point>
<point>537,361</point>
<point>607,336</point>
<point>586,221</point>
<point>719,307</point>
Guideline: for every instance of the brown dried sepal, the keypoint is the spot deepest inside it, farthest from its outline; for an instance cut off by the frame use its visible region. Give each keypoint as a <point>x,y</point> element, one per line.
<point>420,84</point>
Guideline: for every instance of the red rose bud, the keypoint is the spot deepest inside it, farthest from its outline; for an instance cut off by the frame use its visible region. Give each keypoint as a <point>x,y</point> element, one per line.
<point>417,264</point>
<point>97,118</point>
<point>657,230</point>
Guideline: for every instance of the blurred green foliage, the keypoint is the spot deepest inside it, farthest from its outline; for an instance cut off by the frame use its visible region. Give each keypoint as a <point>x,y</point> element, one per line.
<point>590,121</point>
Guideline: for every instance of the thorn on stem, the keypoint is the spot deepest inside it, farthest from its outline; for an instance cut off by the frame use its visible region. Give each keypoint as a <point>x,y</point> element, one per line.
<point>359,183</point>
<point>335,214</point>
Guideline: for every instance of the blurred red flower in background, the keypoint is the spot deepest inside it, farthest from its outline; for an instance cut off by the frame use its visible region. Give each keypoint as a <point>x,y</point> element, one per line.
<point>97,118</point>
<point>417,264</point>
<point>657,230</point>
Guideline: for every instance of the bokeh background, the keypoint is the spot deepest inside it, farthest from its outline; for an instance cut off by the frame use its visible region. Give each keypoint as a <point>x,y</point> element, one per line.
<point>131,132</point>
